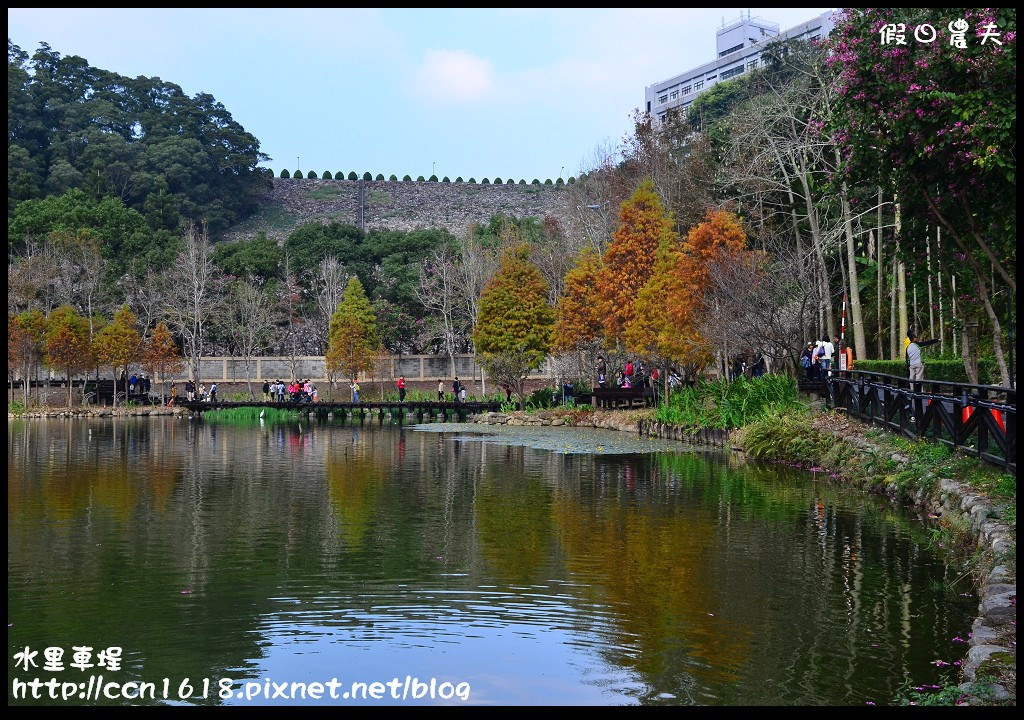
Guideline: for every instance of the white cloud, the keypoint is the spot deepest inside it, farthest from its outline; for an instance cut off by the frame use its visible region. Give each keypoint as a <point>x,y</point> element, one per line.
<point>452,75</point>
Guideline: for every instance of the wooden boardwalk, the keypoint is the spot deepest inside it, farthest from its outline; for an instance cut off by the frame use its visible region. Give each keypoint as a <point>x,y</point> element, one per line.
<point>362,409</point>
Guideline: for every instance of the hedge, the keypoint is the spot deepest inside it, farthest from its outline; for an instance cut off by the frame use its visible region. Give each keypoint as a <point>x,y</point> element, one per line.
<point>311,175</point>
<point>352,175</point>
<point>947,369</point>
<point>326,175</point>
<point>285,174</point>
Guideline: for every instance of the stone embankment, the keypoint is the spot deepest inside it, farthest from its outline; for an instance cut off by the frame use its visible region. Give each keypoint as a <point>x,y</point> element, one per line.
<point>80,412</point>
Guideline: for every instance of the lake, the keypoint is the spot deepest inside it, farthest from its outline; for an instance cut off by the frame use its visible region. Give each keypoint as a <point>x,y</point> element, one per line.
<point>509,565</point>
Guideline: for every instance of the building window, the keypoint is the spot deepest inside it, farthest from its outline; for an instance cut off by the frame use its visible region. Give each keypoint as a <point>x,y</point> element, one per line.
<point>688,89</point>
<point>733,49</point>
<point>674,95</point>
<point>699,85</point>
<point>662,99</point>
<point>752,65</point>
<point>732,72</point>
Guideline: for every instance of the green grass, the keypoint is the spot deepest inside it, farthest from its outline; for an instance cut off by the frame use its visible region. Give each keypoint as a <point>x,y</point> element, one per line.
<point>16,408</point>
<point>324,193</point>
<point>726,405</point>
<point>271,217</point>
<point>379,198</point>
<point>251,415</point>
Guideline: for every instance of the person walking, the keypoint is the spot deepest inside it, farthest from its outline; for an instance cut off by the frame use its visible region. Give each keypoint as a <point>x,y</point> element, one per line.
<point>602,372</point>
<point>355,390</point>
<point>759,366</point>
<point>915,361</point>
<point>213,392</point>
<point>174,395</point>
<point>266,391</point>
<point>826,357</point>
<point>440,390</point>
<point>456,386</point>
<point>401,388</point>
<point>807,361</point>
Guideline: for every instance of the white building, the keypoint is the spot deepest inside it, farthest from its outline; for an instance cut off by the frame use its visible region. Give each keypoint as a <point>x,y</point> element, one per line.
<point>739,45</point>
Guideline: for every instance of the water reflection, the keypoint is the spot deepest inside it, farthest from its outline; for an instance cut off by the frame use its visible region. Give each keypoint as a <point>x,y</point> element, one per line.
<point>306,551</point>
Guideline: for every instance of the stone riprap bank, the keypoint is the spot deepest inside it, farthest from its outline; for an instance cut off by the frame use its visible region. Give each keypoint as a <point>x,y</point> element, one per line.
<point>405,206</point>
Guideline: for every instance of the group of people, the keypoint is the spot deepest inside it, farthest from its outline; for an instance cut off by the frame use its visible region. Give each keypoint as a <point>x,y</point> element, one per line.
<point>630,376</point>
<point>297,391</point>
<point>745,366</point>
<point>135,384</point>
<point>192,392</point>
<point>823,357</point>
<point>458,390</point>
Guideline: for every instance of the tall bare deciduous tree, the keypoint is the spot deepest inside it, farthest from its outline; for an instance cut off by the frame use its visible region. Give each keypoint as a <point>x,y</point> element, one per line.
<point>191,289</point>
<point>438,292</point>
<point>248,319</point>
<point>329,284</point>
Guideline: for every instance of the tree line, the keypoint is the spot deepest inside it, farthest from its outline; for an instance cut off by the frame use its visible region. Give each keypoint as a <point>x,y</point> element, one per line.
<point>169,157</point>
<point>739,227</point>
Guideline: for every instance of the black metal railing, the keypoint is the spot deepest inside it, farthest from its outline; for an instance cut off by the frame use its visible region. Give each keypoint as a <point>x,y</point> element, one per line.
<point>978,419</point>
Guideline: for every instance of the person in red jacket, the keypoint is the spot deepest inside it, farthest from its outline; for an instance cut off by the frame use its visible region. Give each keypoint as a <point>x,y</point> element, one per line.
<point>401,388</point>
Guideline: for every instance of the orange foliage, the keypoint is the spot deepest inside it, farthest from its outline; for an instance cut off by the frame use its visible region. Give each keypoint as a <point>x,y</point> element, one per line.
<point>578,315</point>
<point>629,260</point>
<point>664,324</point>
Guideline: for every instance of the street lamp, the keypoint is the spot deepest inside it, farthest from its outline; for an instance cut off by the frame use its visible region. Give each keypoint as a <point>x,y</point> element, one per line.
<point>432,164</point>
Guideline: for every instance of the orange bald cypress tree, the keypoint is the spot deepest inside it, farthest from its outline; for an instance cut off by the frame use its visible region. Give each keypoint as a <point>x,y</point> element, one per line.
<point>629,260</point>
<point>66,343</point>
<point>665,322</point>
<point>118,345</point>
<point>578,319</point>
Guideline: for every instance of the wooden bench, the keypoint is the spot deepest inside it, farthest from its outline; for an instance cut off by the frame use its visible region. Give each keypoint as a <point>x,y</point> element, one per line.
<point>622,397</point>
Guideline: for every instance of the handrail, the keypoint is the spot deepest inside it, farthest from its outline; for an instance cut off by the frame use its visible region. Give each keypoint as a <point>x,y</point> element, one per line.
<point>903,380</point>
<point>968,420</point>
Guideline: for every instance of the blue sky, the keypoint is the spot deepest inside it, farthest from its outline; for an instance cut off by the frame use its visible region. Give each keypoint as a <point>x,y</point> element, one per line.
<point>522,93</point>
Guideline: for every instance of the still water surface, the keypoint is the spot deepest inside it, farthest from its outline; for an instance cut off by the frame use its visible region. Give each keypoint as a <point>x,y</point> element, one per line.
<point>575,571</point>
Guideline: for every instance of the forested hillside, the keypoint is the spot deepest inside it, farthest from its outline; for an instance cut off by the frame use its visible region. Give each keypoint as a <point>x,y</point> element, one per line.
<point>138,142</point>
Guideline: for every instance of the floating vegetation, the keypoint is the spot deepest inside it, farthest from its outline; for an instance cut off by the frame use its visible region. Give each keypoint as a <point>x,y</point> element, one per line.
<point>567,440</point>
